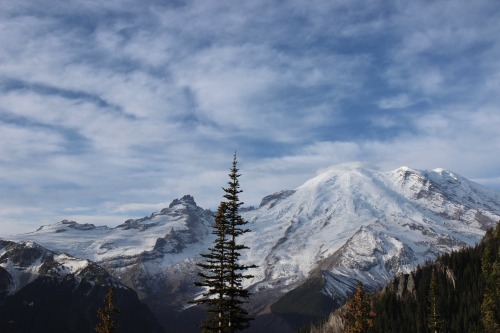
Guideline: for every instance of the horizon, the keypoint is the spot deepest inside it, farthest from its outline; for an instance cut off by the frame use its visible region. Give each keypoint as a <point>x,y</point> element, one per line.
<point>107,110</point>
<point>347,166</point>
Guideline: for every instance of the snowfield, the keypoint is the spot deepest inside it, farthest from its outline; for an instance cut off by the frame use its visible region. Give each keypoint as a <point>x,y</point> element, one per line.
<point>349,223</point>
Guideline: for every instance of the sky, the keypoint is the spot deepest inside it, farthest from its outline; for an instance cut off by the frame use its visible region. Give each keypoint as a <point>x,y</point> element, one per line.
<point>109,110</point>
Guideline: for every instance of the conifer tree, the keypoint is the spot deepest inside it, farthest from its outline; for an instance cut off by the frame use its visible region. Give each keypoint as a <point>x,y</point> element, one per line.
<point>214,275</point>
<point>222,273</point>
<point>359,315</point>
<point>490,265</point>
<point>106,314</point>
<point>434,317</point>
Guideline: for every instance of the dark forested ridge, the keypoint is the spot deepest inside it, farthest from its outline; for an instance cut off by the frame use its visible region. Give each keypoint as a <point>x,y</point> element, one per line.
<point>463,296</point>
<point>464,280</point>
<point>48,305</point>
<point>53,297</point>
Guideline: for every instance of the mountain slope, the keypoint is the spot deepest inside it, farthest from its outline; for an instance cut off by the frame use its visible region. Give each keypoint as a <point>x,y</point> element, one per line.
<point>463,278</point>
<point>366,224</point>
<point>349,223</point>
<point>42,291</point>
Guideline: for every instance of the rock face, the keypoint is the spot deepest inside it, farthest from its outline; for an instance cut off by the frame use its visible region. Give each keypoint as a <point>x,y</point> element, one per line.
<point>403,285</point>
<point>353,223</point>
<point>347,224</point>
<point>45,291</point>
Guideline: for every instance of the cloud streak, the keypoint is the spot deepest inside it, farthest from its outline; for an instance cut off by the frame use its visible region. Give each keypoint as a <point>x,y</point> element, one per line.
<point>108,108</point>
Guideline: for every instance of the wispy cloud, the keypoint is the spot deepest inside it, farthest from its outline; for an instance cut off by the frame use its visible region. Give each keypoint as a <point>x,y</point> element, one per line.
<point>107,108</point>
<point>397,102</point>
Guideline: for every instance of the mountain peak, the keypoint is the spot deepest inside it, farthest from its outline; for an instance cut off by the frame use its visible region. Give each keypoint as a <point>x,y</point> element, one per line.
<point>350,222</point>
<point>404,168</point>
<point>340,175</point>
<point>187,200</point>
<point>63,226</point>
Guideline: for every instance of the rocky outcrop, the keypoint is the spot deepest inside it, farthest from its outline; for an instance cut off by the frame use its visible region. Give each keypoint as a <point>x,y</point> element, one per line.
<point>46,291</point>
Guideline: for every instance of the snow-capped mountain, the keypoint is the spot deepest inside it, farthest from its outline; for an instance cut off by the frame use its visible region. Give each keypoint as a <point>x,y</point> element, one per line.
<point>22,263</point>
<point>42,290</point>
<point>168,231</point>
<point>349,223</point>
<point>146,254</point>
<point>354,223</point>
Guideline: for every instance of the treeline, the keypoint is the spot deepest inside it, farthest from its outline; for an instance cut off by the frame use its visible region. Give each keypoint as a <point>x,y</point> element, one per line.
<point>465,296</point>
<point>460,292</point>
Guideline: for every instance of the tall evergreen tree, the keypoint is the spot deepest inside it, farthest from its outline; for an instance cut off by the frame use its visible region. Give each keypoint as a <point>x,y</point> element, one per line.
<point>215,270</point>
<point>106,313</point>
<point>222,272</point>
<point>490,265</point>
<point>359,315</point>
<point>434,316</point>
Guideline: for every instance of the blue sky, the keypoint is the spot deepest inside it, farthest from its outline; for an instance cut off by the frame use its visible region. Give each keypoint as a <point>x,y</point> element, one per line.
<point>111,109</point>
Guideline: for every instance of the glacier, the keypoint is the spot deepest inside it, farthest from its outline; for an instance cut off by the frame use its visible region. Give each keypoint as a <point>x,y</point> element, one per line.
<point>348,223</point>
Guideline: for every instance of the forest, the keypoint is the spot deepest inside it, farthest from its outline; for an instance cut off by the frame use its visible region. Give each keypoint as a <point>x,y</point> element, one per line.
<point>459,292</point>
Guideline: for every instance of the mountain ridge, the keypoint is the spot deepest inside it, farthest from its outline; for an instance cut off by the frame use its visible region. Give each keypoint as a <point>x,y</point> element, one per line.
<point>347,223</point>
<point>47,291</point>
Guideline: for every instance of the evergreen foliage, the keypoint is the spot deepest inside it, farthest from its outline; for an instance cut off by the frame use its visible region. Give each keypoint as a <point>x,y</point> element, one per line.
<point>434,317</point>
<point>463,288</point>
<point>222,273</point>
<point>358,316</point>
<point>459,293</point>
<point>106,314</point>
<point>214,275</point>
<point>490,264</point>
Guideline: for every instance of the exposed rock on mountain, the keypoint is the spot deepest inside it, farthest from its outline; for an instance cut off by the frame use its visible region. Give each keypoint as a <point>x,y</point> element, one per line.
<point>349,223</point>
<point>45,291</point>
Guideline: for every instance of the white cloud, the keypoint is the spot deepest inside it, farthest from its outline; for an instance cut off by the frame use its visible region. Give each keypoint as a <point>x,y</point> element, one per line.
<point>397,102</point>
<point>462,142</point>
<point>110,108</point>
<point>21,144</point>
<point>435,53</point>
<point>134,207</point>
